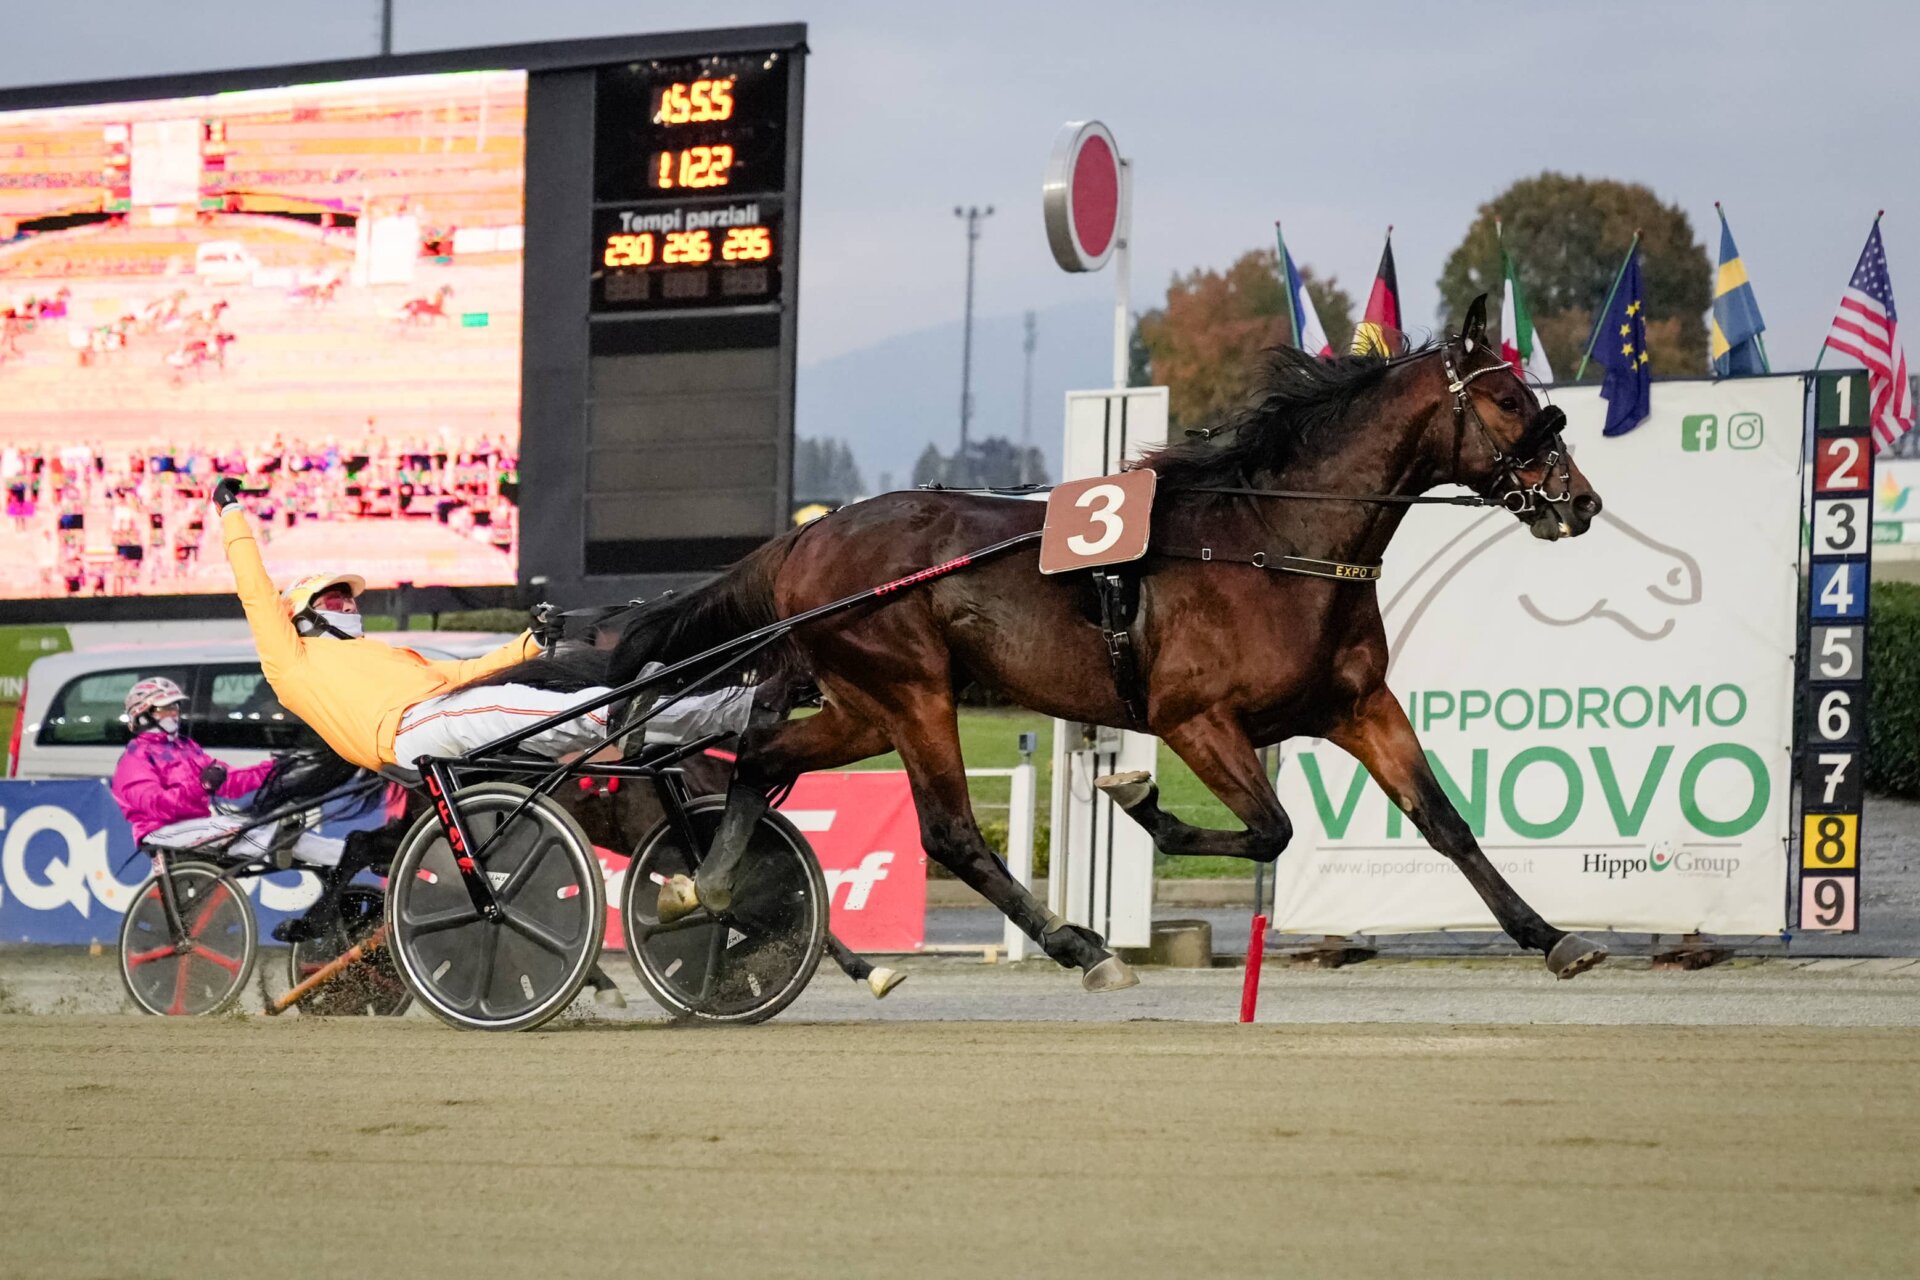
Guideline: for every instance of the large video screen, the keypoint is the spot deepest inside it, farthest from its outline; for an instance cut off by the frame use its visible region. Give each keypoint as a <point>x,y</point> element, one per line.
<point>317,288</point>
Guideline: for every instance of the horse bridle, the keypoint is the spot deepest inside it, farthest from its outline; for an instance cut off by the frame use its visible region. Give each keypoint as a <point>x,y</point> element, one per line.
<point>1508,487</point>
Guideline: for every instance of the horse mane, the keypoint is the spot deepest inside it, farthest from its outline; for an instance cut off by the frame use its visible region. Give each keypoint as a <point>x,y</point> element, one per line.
<point>1300,398</point>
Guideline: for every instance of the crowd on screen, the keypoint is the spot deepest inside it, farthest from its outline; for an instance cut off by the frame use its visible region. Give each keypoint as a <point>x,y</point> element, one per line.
<point>129,519</point>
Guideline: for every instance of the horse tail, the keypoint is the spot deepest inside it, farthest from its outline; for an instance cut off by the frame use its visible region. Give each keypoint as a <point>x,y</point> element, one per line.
<point>679,626</point>
<point>569,669</point>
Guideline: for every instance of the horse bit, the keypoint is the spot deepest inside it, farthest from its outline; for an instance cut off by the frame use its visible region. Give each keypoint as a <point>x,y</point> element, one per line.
<point>1514,493</point>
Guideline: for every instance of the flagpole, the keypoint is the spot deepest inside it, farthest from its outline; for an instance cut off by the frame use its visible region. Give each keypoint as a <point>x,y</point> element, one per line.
<point>1823,342</point>
<point>1286,285</point>
<point>1606,306</point>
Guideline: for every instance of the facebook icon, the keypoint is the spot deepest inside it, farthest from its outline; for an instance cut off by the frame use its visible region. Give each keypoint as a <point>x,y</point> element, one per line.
<point>1699,432</point>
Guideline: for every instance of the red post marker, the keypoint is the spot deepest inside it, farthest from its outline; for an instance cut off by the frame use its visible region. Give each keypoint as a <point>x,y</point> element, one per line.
<point>1250,985</point>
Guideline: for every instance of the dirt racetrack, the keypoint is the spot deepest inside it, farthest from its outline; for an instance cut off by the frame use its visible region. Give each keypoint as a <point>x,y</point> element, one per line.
<point>242,1147</point>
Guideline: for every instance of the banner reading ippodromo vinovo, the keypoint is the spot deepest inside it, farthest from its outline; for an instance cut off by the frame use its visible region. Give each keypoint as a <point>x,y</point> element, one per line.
<point>1611,714</point>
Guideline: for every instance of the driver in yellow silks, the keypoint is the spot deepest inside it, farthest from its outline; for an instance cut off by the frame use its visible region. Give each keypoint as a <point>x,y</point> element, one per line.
<point>377,704</point>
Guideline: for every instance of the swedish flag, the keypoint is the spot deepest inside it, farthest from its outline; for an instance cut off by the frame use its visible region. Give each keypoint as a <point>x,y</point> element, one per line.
<point>1736,345</point>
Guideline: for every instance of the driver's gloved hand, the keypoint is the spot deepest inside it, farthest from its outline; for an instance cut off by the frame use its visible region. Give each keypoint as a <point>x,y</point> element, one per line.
<point>213,777</point>
<point>546,624</point>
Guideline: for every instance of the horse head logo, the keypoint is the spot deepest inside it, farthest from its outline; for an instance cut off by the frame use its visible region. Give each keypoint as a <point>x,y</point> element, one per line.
<point>1624,579</point>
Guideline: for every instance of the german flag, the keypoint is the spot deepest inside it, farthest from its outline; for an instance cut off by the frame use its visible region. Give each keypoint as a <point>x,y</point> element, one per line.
<point>1370,336</point>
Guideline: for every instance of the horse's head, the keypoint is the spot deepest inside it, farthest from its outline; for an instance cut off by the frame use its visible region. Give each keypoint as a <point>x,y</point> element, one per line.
<point>1502,443</point>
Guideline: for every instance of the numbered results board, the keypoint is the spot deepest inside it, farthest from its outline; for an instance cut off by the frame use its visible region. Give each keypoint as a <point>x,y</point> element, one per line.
<point>1834,717</point>
<point>691,183</point>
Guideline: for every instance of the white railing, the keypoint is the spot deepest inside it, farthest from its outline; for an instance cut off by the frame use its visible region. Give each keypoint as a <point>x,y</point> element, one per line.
<point>1023,789</point>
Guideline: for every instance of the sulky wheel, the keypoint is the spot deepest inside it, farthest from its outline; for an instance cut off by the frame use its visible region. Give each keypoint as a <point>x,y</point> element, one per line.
<point>749,963</point>
<point>206,967</point>
<point>373,985</point>
<point>512,972</point>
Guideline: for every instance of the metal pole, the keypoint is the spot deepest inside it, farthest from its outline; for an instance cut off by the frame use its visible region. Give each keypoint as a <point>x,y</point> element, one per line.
<point>974,216</point>
<point>1026,399</point>
<point>1605,307</point>
<point>1122,280</point>
<point>1020,830</point>
<point>386,28</point>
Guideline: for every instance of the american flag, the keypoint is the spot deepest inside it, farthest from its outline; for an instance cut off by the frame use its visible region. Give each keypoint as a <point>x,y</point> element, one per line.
<point>1868,329</point>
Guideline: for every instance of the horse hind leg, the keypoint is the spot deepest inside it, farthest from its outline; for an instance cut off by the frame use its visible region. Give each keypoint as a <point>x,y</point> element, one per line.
<point>1222,757</point>
<point>879,979</point>
<point>928,740</point>
<point>768,759</point>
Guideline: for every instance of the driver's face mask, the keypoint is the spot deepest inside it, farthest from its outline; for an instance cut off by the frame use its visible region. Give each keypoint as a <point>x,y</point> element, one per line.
<point>330,623</point>
<point>168,722</point>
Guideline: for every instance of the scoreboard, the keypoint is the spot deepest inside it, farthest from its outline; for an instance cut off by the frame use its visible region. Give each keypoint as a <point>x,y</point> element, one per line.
<point>1834,641</point>
<point>690,175</point>
<point>689,264</point>
<point>655,285</point>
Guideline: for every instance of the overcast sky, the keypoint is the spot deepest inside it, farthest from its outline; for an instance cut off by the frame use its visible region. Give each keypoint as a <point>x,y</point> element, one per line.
<point>1338,119</point>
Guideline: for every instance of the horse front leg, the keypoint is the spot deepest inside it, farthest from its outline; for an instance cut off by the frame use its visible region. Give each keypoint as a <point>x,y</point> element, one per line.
<point>1221,756</point>
<point>1381,738</point>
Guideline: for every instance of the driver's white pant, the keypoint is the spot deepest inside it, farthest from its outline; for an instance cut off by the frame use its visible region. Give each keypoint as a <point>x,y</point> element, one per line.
<point>456,723</point>
<point>190,833</point>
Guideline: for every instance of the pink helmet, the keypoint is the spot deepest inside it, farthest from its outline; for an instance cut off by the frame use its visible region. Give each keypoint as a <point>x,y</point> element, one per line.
<point>156,691</point>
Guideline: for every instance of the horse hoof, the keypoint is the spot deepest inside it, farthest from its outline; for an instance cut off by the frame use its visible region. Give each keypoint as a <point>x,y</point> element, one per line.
<point>610,997</point>
<point>1126,789</point>
<point>1573,955</point>
<point>1111,974</point>
<point>881,981</point>
<point>678,898</point>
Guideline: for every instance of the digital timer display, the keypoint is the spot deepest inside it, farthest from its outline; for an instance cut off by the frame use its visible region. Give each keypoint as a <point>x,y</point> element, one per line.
<point>717,123</point>
<point>695,167</point>
<point>690,183</point>
<point>678,256</point>
<point>695,103</point>
<point>643,249</point>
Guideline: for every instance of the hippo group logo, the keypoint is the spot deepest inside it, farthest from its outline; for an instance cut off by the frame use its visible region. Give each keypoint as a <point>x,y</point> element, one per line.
<point>1692,864</point>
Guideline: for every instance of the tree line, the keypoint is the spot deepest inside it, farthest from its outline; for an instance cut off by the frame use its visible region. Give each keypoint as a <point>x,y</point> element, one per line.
<point>1568,237</point>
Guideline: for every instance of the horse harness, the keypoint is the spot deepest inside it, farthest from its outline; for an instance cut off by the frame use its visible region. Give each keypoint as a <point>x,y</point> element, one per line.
<point>1118,592</point>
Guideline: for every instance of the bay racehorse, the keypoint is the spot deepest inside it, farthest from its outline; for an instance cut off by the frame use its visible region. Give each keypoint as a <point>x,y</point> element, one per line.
<point>1233,651</point>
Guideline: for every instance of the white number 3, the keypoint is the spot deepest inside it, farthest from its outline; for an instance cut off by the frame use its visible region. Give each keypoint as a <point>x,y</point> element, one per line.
<point>1109,496</point>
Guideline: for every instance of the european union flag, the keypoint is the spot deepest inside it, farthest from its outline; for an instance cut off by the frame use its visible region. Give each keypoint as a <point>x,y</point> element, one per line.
<point>1735,337</point>
<point>1620,343</point>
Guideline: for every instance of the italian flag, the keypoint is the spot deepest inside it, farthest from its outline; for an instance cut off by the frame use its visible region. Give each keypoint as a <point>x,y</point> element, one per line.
<point>1520,345</point>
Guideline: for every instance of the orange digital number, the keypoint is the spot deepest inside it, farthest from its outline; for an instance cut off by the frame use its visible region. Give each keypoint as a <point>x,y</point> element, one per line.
<point>700,102</point>
<point>694,167</point>
<point>687,247</point>
<point>747,244</point>
<point>629,250</point>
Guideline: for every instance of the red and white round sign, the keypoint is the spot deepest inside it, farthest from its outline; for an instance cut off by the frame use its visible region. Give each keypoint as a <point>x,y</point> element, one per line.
<point>1081,196</point>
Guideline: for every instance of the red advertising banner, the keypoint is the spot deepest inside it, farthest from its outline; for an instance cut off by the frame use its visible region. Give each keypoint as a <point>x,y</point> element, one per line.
<point>863,829</point>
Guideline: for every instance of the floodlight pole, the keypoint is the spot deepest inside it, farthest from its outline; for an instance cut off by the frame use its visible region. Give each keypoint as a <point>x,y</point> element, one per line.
<point>1026,394</point>
<point>386,28</point>
<point>974,216</point>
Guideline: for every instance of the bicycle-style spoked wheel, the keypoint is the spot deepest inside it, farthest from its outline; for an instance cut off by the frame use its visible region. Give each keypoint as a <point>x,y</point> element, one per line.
<point>754,960</point>
<point>369,986</point>
<point>206,967</point>
<point>516,971</point>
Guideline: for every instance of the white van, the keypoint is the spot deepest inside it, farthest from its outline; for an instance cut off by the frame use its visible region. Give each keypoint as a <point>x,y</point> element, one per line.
<point>72,721</point>
<point>224,262</point>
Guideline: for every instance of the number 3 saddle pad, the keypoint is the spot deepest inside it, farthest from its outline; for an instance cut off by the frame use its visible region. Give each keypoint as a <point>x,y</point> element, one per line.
<point>1104,520</point>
